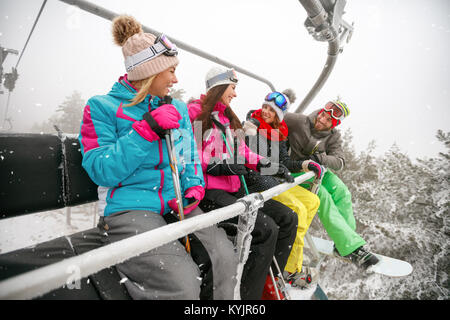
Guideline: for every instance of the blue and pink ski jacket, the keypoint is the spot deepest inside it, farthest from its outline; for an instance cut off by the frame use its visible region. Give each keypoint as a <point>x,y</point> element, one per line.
<point>133,173</point>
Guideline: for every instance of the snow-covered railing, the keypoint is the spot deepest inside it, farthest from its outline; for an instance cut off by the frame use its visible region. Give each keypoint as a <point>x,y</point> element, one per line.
<point>38,282</point>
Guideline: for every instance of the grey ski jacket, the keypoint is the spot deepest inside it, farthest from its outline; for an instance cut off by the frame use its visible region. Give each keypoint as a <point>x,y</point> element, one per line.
<point>324,147</point>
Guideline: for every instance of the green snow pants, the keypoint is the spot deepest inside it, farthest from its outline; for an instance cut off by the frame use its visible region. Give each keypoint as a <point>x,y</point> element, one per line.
<point>336,213</point>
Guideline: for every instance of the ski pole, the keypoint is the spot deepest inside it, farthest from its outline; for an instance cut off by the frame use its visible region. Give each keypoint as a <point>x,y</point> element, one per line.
<point>215,115</point>
<point>280,276</point>
<point>174,169</point>
<point>283,284</point>
<point>318,182</point>
<point>315,189</point>
<point>176,181</point>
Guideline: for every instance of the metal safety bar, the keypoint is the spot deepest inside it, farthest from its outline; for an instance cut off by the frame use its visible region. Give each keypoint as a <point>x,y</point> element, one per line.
<point>110,15</point>
<point>43,280</point>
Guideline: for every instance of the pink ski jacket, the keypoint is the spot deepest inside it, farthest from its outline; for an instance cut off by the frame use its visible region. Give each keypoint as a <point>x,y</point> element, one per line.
<point>213,146</point>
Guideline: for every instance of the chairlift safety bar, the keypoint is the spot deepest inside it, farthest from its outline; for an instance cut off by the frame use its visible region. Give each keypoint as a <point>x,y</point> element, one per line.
<point>43,280</point>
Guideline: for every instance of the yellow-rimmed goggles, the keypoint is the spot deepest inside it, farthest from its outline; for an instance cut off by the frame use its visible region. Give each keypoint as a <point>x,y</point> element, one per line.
<point>337,109</point>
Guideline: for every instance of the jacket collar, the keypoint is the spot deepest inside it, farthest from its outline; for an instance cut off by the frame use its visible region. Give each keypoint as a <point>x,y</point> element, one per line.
<point>124,90</point>
<point>268,131</point>
<point>220,107</point>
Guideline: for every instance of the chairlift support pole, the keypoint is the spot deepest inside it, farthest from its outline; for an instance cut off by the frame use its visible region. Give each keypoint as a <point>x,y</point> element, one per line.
<point>325,23</point>
<point>109,15</point>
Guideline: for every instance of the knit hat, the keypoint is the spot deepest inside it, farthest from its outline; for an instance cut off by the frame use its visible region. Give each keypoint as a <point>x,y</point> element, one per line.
<point>271,98</point>
<point>217,76</point>
<point>128,34</point>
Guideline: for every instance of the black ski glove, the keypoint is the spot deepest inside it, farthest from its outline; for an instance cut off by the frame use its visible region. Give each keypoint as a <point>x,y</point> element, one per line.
<point>274,169</point>
<point>226,168</point>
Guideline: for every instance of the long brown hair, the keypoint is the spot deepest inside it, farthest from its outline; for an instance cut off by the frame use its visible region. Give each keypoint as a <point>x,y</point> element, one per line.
<point>209,102</point>
<point>276,124</point>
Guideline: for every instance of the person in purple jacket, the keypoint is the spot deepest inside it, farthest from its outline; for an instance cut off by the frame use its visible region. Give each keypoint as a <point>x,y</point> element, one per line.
<point>125,154</point>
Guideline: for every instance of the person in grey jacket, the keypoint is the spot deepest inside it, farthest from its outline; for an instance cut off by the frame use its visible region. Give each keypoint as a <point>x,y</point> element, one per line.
<point>315,138</point>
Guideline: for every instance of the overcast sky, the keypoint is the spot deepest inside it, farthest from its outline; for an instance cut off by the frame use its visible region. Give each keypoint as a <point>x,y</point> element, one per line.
<point>393,74</point>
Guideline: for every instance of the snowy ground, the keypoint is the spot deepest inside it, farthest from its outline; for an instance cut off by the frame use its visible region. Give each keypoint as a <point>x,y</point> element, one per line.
<point>301,294</point>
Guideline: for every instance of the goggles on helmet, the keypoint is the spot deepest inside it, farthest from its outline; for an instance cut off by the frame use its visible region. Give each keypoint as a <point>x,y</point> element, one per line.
<point>162,45</point>
<point>338,110</point>
<point>279,99</point>
<point>228,75</point>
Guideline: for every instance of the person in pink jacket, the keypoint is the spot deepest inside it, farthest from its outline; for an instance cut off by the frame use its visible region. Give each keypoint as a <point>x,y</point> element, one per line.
<point>224,164</point>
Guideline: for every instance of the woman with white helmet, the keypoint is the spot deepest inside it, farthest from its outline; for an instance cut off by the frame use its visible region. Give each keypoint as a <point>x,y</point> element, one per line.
<point>226,159</point>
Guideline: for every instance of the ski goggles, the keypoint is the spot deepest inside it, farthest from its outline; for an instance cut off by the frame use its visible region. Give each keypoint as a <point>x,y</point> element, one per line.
<point>279,99</point>
<point>227,77</point>
<point>338,110</point>
<point>162,45</point>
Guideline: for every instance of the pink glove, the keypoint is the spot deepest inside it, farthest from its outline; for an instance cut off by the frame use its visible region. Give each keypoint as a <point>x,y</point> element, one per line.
<point>196,192</point>
<point>167,116</point>
<point>309,165</point>
<point>155,124</point>
<point>144,130</point>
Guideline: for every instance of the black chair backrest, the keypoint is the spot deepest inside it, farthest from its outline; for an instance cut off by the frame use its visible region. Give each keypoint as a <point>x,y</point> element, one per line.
<point>40,172</point>
<point>79,188</point>
<point>31,172</point>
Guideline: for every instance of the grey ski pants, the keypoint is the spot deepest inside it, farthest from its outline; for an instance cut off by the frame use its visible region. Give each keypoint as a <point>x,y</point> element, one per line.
<point>169,272</point>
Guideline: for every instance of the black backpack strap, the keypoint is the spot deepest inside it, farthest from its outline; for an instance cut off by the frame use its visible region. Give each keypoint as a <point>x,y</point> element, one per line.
<point>219,125</point>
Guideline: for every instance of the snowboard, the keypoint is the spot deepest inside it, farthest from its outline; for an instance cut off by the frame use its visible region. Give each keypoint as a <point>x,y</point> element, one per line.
<point>314,292</point>
<point>386,266</point>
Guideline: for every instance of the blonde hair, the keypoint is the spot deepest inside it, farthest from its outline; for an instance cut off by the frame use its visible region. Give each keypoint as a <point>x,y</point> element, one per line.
<point>144,85</point>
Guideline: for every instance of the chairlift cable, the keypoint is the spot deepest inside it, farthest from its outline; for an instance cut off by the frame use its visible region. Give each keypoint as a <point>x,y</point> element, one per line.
<point>20,57</point>
<point>31,32</point>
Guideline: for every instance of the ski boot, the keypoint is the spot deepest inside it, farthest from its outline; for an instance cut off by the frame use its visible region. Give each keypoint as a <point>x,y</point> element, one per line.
<point>362,258</point>
<point>303,279</point>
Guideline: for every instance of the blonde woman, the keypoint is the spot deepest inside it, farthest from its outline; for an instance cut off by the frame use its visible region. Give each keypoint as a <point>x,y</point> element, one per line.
<point>125,153</point>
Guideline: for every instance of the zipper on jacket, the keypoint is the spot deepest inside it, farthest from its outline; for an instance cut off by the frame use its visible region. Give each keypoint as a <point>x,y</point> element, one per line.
<point>114,190</point>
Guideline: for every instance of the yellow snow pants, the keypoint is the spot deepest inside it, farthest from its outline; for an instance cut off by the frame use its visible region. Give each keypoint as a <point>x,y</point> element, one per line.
<point>305,204</point>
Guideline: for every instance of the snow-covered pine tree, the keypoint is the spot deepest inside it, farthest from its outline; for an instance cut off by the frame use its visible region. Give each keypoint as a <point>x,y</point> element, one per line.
<point>402,210</point>
<point>67,117</point>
